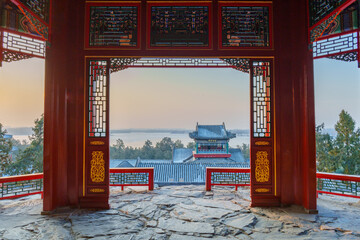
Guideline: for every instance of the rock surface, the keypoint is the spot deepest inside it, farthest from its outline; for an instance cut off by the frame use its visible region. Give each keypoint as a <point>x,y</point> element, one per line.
<point>181,213</point>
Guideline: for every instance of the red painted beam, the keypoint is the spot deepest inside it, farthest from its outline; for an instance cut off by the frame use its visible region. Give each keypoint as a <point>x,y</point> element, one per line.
<point>18,3</point>
<point>336,34</point>
<point>21,178</point>
<point>339,8</point>
<point>335,176</point>
<point>23,34</point>
<point>339,194</point>
<point>22,195</point>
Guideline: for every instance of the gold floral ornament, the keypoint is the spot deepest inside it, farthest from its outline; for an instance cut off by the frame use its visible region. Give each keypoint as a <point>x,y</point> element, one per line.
<point>97,171</point>
<point>262,169</point>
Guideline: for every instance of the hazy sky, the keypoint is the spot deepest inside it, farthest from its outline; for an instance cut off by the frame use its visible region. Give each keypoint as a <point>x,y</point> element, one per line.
<point>177,98</point>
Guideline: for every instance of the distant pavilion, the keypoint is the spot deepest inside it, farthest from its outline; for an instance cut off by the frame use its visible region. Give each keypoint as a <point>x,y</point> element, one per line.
<point>211,141</point>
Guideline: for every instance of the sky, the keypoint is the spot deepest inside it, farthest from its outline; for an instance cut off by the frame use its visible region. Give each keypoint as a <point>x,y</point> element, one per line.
<point>177,98</point>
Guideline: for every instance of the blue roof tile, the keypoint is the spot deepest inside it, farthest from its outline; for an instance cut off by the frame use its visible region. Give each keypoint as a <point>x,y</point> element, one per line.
<point>171,173</point>
<point>211,132</point>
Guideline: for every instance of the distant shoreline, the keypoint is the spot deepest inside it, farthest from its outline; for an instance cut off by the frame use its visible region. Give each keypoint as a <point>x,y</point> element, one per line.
<point>239,132</point>
<point>169,130</point>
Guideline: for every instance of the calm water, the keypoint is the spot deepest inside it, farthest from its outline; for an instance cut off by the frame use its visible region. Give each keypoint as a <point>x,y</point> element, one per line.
<point>137,139</point>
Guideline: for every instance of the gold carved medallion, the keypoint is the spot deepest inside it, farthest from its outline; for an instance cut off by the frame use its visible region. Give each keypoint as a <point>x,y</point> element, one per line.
<point>97,171</point>
<point>262,168</point>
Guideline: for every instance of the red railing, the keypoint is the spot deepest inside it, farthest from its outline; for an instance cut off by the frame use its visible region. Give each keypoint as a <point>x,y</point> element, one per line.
<point>327,183</point>
<point>338,184</point>
<point>132,177</point>
<point>227,177</point>
<point>21,186</point>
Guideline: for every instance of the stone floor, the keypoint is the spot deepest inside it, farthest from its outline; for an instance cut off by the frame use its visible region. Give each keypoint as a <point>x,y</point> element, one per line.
<point>181,213</point>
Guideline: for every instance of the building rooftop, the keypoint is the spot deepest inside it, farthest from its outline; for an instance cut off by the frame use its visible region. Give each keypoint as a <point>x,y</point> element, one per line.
<point>215,132</point>
<point>124,164</point>
<point>181,213</point>
<point>181,155</point>
<point>237,156</point>
<point>114,163</point>
<point>184,173</point>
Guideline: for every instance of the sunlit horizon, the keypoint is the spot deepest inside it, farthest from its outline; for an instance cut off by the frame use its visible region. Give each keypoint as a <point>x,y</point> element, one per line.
<point>143,98</point>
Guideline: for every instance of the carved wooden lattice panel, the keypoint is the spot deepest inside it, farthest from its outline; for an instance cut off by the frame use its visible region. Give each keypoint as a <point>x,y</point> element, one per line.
<point>15,20</point>
<point>40,27</point>
<point>25,45</point>
<point>96,141</point>
<point>230,178</point>
<point>245,26</point>
<point>179,25</point>
<point>97,110</point>
<point>9,189</point>
<point>262,161</point>
<point>338,186</point>
<point>129,178</point>
<point>261,100</point>
<point>113,25</point>
<point>346,21</point>
<point>39,7</point>
<point>338,44</point>
<point>241,64</point>
<point>346,57</point>
<point>13,56</point>
<point>318,9</point>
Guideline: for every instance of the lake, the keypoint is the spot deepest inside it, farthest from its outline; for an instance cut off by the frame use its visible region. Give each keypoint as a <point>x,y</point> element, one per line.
<point>137,139</point>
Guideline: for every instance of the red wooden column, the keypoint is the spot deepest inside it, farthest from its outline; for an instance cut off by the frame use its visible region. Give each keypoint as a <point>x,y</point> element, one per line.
<point>294,106</point>
<point>64,106</point>
<point>263,165</point>
<point>95,165</point>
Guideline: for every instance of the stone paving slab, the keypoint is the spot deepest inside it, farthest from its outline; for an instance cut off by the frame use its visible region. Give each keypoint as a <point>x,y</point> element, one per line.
<point>181,213</point>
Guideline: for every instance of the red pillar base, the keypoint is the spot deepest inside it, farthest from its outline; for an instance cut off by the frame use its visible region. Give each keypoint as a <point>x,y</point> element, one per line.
<point>311,211</point>
<point>265,201</point>
<point>94,202</point>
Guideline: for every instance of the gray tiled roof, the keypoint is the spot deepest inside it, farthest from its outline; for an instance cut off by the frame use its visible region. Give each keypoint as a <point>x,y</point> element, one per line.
<point>152,161</point>
<point>183,172</point>
<point>124,164</point>
<point>181,155</point>
<point>211,132</point>
<point>237,156</point>
<point>114,163</point>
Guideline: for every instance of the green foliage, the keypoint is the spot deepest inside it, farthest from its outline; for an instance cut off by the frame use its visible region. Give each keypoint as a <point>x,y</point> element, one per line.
<point>342,154</point>
<point>245,150</point>
<point>191,145</point>
<point>5,151</point>
<point>347,144</point>
<point>30,160</point>
<point>162,150</point>
<point>324,145</point>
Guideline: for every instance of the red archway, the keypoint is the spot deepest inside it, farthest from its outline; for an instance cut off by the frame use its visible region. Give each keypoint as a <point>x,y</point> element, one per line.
<point>283,122</point>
